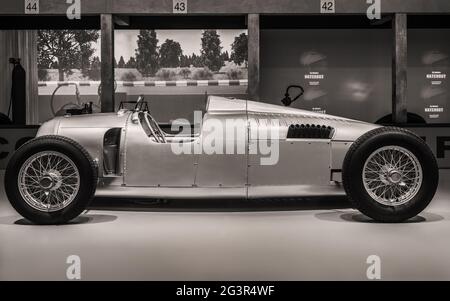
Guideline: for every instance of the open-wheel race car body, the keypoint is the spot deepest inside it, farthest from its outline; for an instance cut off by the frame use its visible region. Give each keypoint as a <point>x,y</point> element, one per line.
<point>388,173</point>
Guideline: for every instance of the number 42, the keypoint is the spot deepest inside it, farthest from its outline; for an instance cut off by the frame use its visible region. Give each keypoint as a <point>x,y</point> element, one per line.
<point>327,6</point>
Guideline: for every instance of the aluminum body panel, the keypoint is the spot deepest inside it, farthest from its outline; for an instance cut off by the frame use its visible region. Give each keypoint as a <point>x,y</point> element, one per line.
<point>87,130</point>
<point>345,129</point>
<point>300,162</point>
<point>92,140</point>
<point>339,150</point>
<point>256,192</point>
<point>106,120</point>
<point>171,192</point>
<point>226,167</point>
<point>151,163</point>
<point>49,127</point>
<point>225,105</point>
<point>278,191</point>
<point>148,168</point>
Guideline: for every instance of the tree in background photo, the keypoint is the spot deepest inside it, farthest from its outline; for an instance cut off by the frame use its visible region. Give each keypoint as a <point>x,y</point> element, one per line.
<point>147,53</point>
<point>131,63</point>
<point>94,72</point>
<point>170,54</point>
<point>239,50</point>
<point>211,50</point>
<point>66,50</point>
<point>211,56</point>
<point>121,63</point>
<point>226,56</point>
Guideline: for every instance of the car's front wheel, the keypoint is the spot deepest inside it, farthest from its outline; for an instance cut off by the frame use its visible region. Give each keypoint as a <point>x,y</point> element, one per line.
<point>50,180</point>
<point>390,174</point>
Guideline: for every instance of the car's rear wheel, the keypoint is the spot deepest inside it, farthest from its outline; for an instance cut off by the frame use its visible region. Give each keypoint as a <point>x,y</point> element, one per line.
<point>390,174</point>
<point>50,180</point>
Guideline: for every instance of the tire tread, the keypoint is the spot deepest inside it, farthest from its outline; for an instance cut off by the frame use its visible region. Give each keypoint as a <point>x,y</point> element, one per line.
<point>357,144</point>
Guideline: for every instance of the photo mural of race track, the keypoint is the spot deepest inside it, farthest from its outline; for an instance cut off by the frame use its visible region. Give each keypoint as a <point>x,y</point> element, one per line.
<point>161,64</point>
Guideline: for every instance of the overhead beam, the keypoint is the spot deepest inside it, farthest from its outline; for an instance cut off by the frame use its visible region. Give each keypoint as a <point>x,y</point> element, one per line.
<point>399,68</point>
<point>278,7</point>
<point>139,7</point>
<point>107,62</point>
<point>253,56</point>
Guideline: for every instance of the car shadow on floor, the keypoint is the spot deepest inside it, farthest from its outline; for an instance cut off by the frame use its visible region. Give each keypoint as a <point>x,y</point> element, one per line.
<point>339,216</point>
<point>222,205</point>
<point>82,219</point>
<point>336,204</point>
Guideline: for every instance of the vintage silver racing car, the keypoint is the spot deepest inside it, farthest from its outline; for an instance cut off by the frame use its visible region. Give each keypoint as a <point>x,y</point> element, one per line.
<point>388,173</point>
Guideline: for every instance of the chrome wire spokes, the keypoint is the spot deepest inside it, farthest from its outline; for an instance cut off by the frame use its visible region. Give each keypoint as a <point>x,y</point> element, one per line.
<point>48,181</point>
<point>392,175</point>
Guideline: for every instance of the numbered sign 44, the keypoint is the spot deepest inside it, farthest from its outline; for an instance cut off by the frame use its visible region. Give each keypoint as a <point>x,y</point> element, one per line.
<point>179,6</point>
<point>31,6</point>
<point>327,7</point>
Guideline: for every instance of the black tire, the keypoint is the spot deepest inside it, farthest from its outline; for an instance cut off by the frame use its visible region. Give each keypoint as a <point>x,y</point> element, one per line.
<point>87,172</point>
<point>353,166</point>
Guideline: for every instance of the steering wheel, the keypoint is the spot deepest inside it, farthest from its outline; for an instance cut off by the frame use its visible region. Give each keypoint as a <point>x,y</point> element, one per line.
<point>158,133</point>
<point>287,98</point>
<point>77,94</point>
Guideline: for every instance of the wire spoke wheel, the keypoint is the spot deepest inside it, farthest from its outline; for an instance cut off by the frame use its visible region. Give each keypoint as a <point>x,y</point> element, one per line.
<point>48,181</point>
<point>392,175</point>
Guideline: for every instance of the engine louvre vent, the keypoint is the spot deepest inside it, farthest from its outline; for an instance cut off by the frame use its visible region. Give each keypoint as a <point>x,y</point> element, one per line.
<point>311,131</point>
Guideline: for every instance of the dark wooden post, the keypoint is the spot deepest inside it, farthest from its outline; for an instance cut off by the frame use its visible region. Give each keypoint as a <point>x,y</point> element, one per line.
<point>253,56</point>
<point>107,59</point>
<point>399,68</point>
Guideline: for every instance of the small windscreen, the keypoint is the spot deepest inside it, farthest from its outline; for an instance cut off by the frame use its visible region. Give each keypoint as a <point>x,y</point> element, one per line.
<point>145,125</point>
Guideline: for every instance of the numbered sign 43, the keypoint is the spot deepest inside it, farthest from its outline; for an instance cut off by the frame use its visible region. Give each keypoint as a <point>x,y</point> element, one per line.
<point>179,6</point>
<point>31,6</point>
<point>327,7</point>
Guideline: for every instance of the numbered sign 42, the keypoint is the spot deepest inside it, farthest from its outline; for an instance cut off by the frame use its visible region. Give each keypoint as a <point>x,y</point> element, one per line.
<point>327,7</point>
<point>31,6</point>
<point>179,6</point>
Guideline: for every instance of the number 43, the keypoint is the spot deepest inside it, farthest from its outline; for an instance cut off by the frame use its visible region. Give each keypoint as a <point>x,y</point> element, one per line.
<point>179,6</point>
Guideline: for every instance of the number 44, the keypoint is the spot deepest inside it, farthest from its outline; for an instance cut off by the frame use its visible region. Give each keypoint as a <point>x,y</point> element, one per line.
<point>31,6</point>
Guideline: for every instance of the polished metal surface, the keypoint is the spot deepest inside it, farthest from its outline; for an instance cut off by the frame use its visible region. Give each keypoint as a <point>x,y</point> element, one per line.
<point>86,130</point>
<point>224,169</point>
<point>338,151</point>
<point>392,175</point>
<point>148,162</point>
<point>214,193</point>
<point>292,191</point>
<point>48,181</point>
<point>115,191</point>
<point>147,158</point>
<point>300,162</point>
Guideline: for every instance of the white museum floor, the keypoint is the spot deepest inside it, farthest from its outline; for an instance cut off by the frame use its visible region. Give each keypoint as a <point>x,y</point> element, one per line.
<point>229,240</point>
